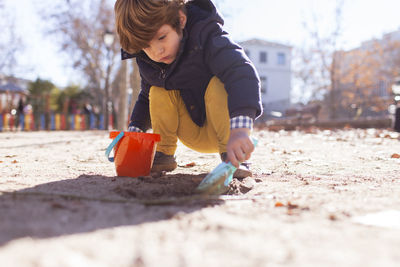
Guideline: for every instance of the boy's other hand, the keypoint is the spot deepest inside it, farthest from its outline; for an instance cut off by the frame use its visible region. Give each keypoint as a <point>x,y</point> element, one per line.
<point>134,129</point>
<point>240,146</point>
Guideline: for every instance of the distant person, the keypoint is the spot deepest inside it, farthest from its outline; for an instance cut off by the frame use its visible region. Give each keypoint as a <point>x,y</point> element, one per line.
<point>197,84</point>
<point>87,111</point>
<point>96,112</point>
<point>20,113</point>
<point>397,119</point>
<point>21,105</point>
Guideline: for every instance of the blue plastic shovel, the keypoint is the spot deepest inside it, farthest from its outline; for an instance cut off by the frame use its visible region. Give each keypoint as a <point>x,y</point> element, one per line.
<point>217,182</point>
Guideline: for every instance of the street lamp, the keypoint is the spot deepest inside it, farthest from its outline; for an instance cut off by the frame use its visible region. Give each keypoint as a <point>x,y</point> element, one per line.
<point>396,89</point>
<point>396,93</point>
<point>108,39</point>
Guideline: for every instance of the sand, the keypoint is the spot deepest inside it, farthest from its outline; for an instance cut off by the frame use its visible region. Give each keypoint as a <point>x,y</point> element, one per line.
<point>309,203</point>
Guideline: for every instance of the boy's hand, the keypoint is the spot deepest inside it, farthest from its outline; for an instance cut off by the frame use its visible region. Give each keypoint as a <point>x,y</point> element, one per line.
<point>240,146</point>
<point>134,129</point>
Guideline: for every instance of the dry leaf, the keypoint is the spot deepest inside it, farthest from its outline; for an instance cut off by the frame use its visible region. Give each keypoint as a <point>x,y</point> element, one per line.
<point>14,161</point>
<point>395,156</point>
<point>292,206</point>
<point>347,127</point>
<point>55,205</point>
<point>332,217</point>
<point>279,204</point>
<point>191,164</point>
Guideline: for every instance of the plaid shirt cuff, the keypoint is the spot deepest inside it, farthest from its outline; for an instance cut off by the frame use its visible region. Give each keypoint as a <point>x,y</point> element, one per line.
<point>134,129</point>
<point>242,122</point>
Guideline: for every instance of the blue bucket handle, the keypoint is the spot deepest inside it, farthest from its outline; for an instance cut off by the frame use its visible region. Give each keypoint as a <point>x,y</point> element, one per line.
<point>111,146</point>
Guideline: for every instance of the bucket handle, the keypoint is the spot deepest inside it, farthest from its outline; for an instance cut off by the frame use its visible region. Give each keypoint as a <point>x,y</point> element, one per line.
<point>111,146</point>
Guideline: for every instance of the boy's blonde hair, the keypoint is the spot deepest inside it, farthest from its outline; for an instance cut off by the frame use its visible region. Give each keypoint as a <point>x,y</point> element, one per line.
<point>137,21</point>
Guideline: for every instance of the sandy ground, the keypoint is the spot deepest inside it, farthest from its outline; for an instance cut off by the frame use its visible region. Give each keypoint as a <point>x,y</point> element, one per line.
<point>61,204</point>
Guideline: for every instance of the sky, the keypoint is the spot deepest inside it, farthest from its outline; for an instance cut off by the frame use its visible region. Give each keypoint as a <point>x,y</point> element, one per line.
<point>277,21</point>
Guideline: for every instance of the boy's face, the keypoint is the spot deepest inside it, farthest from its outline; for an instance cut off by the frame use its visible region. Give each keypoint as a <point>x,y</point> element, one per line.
<point>164,46</point>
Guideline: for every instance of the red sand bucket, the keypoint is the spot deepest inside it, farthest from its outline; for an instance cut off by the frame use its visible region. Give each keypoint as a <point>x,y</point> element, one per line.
<point>133,152</point>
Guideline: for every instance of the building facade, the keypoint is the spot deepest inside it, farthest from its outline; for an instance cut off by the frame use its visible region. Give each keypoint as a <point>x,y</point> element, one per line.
<point>273,63</point>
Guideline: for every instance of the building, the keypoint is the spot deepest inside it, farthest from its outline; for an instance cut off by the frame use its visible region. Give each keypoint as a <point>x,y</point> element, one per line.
<point>12,92</point>
<point>273,63</point>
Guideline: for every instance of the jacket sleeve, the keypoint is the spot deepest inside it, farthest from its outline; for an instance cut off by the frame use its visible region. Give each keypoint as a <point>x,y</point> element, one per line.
<point>140,116</point>
<point>228,62</point>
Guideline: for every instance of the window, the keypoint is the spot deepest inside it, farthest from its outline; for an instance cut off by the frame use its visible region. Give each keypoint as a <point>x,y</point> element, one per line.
<point>263,57</point>
<point>382,91</point>
<point>263,85</point>
<point>281,59</point>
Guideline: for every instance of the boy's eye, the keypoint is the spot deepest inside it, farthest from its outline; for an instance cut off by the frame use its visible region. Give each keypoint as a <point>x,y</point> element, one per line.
<point>162,37</point>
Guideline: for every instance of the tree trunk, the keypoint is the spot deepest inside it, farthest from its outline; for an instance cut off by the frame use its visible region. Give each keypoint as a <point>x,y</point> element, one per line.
<point>333,89</point>
<point>106,108</point>
<point>123,84</point>
<point>135,84</point>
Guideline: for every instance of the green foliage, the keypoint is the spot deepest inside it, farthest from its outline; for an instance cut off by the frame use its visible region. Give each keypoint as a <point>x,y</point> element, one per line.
<point>45,97</point>
<point>39,95</point>
<point>71,94</point>
<point>40,87</point>
<point>54,99</point>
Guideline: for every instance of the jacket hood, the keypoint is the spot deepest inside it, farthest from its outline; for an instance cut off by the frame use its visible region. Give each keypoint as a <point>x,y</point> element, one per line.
<point>209,7</point>
<point>206,12</point>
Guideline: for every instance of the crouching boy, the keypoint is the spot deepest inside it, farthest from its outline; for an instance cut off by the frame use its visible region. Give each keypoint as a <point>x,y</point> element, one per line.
<point>196,84</point>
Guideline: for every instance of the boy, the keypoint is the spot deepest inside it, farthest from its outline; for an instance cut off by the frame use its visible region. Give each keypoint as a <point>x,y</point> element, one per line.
<point>197,85</point>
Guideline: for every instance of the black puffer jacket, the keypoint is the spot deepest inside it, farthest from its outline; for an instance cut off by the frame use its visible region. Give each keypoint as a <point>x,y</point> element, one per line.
<point>205,51</point>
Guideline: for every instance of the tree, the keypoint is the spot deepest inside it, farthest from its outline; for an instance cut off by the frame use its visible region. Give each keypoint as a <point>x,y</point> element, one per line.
<point>80,27</point>
<point>365,75</point>
<point>39,98</point>
<point>39,90</point>
<point>69,100</point>
<point>316,66</point>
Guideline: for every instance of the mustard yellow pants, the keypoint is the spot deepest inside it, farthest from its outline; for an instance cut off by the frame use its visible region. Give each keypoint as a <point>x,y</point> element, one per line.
<point>170,119</point>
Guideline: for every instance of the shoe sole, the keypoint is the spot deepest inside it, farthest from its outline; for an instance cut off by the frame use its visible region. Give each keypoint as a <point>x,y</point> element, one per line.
<point>240,174</point>
<point>164,167</point>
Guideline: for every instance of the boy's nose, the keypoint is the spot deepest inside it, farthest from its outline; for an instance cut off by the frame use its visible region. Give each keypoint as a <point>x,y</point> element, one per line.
<point>159,50</point>
<point>155,51</point>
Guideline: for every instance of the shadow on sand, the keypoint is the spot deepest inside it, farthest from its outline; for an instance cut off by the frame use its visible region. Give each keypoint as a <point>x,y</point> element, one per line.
<point>93,202</point>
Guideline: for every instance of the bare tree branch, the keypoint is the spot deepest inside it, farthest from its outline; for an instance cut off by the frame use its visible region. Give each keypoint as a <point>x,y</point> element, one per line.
<point>10,42</point>
<point>316,66</point>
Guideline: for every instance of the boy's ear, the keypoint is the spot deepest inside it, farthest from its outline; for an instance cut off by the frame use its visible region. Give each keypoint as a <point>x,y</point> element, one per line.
<point>182,19</point>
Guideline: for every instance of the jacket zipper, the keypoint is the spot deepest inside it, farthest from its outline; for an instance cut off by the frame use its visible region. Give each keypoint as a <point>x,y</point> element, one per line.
<point>162,70</point>
<point>163,73</point>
